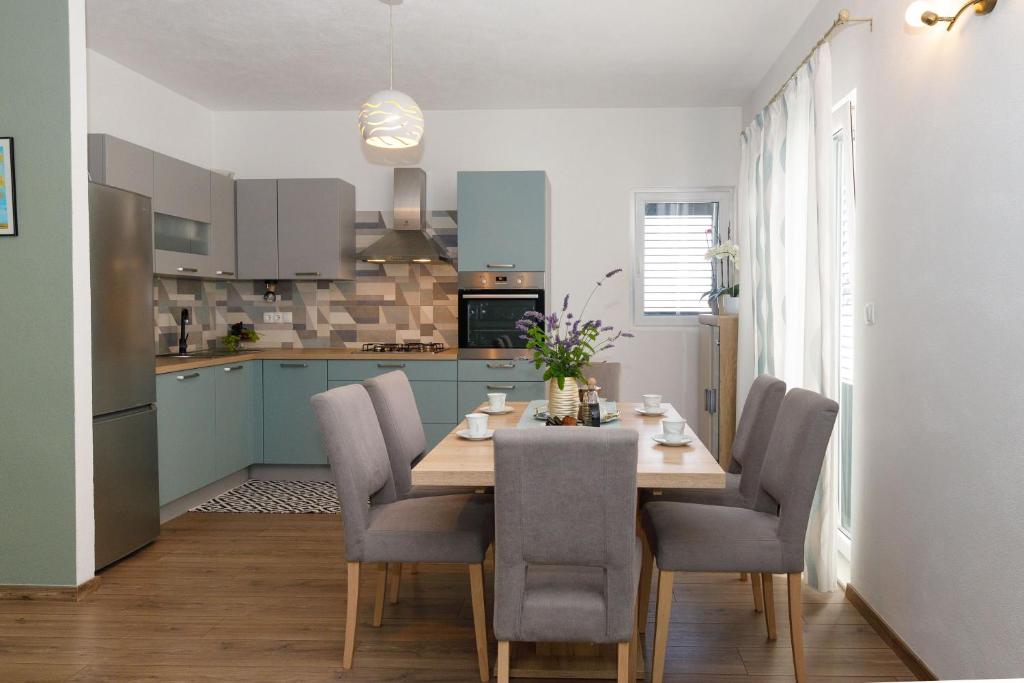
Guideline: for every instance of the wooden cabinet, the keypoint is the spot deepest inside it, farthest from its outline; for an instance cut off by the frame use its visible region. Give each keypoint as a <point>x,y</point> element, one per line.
<point>433,384</point>
<point>256,219</point>
<point>222,212</point>
<point>717,427</point>
<point>115,162</point>
<point>316,229</point>
<point>503,220</point>
<point>233,419</point>
<point>185,431</point>
<point>519,380</point>
<point>290,432</point>
<point>182,234</point>
<point>295,229</point>
<point>181,189</point>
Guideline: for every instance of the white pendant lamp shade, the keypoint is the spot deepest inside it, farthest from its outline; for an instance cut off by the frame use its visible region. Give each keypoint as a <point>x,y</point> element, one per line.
<point>391,120</point>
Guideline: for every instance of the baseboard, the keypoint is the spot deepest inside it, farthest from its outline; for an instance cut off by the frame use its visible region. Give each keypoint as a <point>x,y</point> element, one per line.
<point>891,638</point>
<point>50,593</point>
<point>291,472</point>
<point>178,507</point>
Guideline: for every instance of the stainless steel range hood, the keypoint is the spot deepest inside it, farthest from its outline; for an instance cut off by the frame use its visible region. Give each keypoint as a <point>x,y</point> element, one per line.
<point>408,242</point>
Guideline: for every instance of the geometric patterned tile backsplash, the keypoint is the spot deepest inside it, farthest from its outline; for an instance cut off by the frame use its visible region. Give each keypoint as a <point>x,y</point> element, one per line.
<point>385,303</point>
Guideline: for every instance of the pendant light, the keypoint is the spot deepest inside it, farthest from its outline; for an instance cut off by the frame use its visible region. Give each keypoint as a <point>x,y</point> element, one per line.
<point>390,119</point>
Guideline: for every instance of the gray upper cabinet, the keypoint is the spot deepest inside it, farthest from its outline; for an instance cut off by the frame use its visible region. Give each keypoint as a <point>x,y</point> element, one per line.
<point>222,198</point>
<point>296,229</point>
<point>256,216</point>
<point>181,189</point>
<point>316,229</point>
<point>503,220</point>
<point>121,164</point>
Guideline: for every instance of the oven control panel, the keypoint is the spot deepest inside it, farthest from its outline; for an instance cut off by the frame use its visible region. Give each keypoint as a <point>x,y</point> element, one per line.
<point>499,280</point>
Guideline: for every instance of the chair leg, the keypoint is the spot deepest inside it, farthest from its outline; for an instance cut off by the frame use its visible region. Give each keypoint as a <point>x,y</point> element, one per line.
<point>644,598</point>
<point>743,577</point>
<point>503,661</point>
<point>796,632</point>
<point>395,574</point>
<point>476,589</point>
<point>351,615</point>
<point>634,653</point>
<point>664,611</point>
<point>378,600</point>
<point>769,605</point>
<point>622,663</point>
<point>755,585</point>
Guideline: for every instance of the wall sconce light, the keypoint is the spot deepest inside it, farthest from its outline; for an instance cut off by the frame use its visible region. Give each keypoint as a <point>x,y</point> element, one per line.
<point>921,14</point>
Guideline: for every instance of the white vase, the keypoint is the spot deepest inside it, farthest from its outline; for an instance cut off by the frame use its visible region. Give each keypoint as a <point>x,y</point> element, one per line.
<point>729,305</point>
<point>565,401</point>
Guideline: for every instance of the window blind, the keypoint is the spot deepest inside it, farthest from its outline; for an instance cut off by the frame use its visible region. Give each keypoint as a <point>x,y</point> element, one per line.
<point>675,239</point>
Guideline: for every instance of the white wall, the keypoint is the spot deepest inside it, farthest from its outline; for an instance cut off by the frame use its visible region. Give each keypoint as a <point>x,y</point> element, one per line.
<point>939,383</point>
<point>594,159</point>
<point>130,106</point>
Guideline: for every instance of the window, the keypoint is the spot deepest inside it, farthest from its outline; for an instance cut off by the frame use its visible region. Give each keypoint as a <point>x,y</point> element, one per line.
<point>673,230</point>
<point>844,216</point>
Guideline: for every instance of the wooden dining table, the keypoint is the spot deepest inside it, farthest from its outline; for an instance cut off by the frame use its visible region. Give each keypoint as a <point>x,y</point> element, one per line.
<point>456,461</point>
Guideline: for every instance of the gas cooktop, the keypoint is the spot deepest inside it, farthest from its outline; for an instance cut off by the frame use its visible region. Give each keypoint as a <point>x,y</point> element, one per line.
<point>405,347</point>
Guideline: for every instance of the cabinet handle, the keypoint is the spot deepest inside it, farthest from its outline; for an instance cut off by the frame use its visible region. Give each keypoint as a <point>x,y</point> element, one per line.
<point>225,272</point>
<point>183,269</point>
<point>714,401</point>
<point>390,365</point>
<point>505,387</point>
<point>191,375</point>
<point>234,367</point>
<point>501,265</point>
<point>308,274</point>
<point>294,365</point>
<point>501,366</point>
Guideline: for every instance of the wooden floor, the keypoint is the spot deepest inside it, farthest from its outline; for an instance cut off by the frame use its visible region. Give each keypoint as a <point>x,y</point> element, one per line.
<point>231,597</point>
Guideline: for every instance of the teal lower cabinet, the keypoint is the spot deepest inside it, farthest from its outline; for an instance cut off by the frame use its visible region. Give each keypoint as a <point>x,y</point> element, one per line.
<point>433,384</point>
<point>233,416</point>
<point>290,432</point>
<point>472,394</point>
<point>186,429</point>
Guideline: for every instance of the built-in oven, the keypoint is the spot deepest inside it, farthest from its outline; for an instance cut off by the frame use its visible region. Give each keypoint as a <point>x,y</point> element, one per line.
<point>490,305</point>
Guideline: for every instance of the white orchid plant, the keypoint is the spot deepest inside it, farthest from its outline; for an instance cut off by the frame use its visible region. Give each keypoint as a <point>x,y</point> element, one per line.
<point>724,258</point>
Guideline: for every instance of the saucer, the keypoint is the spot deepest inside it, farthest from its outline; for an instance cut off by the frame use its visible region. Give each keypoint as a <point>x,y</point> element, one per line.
<point>504,411</point>
<point>464,434</point>
<point>657,412</point>
<point>660,438</point>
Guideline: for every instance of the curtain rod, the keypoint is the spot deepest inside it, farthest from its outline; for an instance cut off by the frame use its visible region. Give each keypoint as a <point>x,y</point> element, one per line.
<point>842,20</point>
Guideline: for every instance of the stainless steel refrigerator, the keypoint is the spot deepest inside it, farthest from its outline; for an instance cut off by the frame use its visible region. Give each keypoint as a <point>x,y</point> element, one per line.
<point>125,475</point>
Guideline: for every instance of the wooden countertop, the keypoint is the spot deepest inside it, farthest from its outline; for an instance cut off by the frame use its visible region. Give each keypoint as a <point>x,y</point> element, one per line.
<point>168,364</point>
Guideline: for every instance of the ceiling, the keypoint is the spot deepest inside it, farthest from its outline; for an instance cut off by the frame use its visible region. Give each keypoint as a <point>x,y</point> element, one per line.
<point>449,54</point>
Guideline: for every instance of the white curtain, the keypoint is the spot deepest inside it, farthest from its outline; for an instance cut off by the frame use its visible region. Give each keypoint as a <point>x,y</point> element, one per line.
<point>789,274</point>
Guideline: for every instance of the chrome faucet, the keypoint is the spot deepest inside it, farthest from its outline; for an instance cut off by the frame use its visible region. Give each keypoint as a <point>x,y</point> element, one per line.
<point>183,335</point>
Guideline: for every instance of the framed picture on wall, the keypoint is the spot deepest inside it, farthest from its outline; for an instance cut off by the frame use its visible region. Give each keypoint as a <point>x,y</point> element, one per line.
<point>8,206</point>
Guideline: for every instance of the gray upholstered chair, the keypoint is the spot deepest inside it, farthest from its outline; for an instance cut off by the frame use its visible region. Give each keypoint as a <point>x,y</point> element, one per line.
<point>566,573</point>
<point>607,376</point>
<point>690,537</point>
<point>399,418</point>
<point>757,420</point>
<point>380,527</point>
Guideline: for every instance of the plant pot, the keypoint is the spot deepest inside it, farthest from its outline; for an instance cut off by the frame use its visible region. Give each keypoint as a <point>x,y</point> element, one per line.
<point>565,401</point>
<point>728,305</point>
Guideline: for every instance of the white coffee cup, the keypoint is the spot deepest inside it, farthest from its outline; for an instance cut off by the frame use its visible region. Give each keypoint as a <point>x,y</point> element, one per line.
<point>652,401</point>
<point>497,402</point>
<point>477,424</point>
<point>673,429</point>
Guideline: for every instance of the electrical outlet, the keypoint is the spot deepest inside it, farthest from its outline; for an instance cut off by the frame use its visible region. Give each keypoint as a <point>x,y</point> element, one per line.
<point>278,317</point>
<point>287,316</point>
<point>268,317</point>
